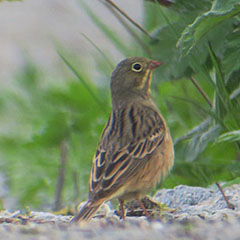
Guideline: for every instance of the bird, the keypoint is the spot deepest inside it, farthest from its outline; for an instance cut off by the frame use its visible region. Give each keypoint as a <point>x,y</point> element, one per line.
<point>135,151</point>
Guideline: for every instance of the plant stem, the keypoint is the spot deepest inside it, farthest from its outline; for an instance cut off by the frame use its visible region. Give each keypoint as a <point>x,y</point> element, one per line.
<point>131,32</point>
<point>129,18</point>
<point>230,205</point>
<point>61,175</point>
<point>99,50</point>
<point>201,92</point>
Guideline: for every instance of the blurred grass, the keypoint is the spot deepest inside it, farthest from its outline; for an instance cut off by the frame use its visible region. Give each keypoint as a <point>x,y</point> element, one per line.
<point>37,118</point>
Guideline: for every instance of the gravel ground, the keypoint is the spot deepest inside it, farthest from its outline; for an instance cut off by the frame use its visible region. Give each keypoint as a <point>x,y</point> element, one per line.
<point>189,213</point>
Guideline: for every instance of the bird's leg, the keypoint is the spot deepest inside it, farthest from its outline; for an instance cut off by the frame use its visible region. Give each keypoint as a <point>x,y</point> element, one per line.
<point>122,208</point>
<point>143,208</point>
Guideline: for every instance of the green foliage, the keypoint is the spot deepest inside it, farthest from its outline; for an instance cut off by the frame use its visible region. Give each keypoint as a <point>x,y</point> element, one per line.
<point>203,43</point>
<point>44,117</point>
<point>195,39</point>
<point>233,136</point>
<point>220,12</point>
<point>235,181</point>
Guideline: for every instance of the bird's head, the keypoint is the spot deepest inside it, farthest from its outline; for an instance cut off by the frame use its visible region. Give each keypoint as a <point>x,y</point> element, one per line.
<point>132,76</point>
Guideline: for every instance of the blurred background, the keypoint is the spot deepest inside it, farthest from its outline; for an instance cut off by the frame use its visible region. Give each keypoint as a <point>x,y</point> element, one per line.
<point>56,59</point>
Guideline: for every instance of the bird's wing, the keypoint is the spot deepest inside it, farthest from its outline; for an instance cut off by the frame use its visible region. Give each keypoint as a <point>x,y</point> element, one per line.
<point>123,147</point>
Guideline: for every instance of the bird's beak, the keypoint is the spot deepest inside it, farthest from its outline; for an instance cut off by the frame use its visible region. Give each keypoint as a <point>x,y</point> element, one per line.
<point>154,64</point>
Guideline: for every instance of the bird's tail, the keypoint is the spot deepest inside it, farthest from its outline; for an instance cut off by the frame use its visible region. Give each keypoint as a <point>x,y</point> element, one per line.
<point>86,212</point>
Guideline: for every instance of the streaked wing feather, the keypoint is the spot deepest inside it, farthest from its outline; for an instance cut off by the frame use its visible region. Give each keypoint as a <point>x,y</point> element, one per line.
<point>109,164</point>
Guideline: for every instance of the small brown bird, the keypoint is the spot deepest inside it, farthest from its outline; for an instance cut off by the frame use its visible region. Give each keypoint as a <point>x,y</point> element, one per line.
<point>135,151</point>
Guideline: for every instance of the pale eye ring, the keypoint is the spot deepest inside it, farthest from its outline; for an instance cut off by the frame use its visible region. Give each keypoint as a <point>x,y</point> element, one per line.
<point>137,67</point>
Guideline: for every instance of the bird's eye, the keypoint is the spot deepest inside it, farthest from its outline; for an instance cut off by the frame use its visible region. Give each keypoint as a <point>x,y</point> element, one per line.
<point>137,67</point>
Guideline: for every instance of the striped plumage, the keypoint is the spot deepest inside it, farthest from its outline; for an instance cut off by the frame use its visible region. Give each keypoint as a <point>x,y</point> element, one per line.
<point>135,151</point>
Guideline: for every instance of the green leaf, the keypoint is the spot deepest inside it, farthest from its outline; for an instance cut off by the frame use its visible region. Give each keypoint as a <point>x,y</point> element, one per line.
<point>233,136</point>
<point>196,130</point>
<point>56,130</point>
<point>220,12</point>
<point>165,50</point>
<point>231,59</point>
<point>200,142</point>
<point>30,193</point>
<point>175,64</point>
<point>235,94</point>
<point>223,104</point>
<point>191,6</point>
<point>81,78</point>
<point>232,182</point>
<point>221,94</point>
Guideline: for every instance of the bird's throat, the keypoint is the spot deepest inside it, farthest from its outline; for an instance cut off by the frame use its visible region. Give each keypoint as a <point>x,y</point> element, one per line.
<point>149,79</point>
<point>146,81</point>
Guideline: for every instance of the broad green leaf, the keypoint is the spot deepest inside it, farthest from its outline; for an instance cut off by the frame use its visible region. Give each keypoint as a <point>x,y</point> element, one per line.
<point>188,7</point>
<point>220,12</point>
<point>231,59</point>
<point>165,50</point>
<point>168,25</point>
<point>175,64</point>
